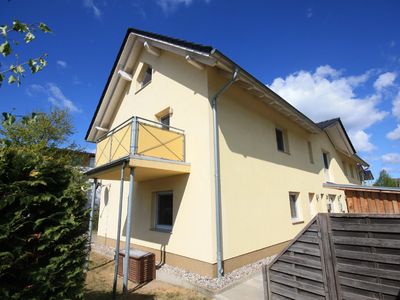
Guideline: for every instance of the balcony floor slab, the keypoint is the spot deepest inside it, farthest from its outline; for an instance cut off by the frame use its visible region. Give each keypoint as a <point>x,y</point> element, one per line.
<point>145,169</point>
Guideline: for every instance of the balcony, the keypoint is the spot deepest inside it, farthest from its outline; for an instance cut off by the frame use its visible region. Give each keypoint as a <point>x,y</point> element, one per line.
<point>155,149</point>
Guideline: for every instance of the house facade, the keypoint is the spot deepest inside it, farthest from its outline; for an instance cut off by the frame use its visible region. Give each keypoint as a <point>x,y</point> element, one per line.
<point>208,198</point>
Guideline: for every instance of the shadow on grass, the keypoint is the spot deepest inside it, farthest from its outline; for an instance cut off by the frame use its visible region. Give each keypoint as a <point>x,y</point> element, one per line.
<point>99,295</point>
<point>99,266</point>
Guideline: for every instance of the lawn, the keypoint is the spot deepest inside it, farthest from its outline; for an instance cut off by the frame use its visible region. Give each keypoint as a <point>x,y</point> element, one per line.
<point>100,278</point>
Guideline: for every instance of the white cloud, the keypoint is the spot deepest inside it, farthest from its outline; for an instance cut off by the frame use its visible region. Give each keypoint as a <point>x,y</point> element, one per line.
<point>327,93</point>
<point>54,95</point>
<point>361,141</point>
<point>90,4</point>
<point>169,6</point>
<point>396,106</point>
<point>394,134</point>
<point>309,13</point>
<point>391,158</point>
<point>62,63</point>
<point>385,80</point>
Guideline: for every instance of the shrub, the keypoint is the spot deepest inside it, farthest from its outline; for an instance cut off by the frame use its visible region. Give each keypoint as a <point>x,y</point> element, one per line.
<point>43,224</point>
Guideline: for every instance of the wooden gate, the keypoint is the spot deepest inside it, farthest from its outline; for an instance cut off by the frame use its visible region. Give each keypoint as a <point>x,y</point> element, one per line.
<point>339,256</point>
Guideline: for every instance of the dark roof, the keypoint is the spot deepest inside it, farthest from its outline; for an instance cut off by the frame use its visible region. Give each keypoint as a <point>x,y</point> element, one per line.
<point>327,123</point>
<point>171,40</point>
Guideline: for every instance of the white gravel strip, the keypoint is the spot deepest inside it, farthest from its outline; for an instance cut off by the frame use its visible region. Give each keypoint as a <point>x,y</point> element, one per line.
<point>214,285</point>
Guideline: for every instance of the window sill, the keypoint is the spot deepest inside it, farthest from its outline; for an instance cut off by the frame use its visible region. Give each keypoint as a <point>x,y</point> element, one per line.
<point>283,152</point>
<point>297,221</point>
<point>163,230</point>
<point>141,88</point>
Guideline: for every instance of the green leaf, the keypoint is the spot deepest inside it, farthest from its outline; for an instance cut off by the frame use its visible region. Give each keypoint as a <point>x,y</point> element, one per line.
<point>3,31</point>
<point>5,48</point>
<point>1,78</point>
<point>20,27</point>
<point>29,37</point>
<point>43,27</point>
<point>12,79</point>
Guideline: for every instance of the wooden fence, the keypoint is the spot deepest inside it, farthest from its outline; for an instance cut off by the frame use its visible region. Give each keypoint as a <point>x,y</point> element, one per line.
<point>372,202</point>
<point>339,256</point>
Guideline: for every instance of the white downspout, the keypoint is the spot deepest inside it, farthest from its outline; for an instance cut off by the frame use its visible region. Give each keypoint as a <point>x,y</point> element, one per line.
<point>225,87</point>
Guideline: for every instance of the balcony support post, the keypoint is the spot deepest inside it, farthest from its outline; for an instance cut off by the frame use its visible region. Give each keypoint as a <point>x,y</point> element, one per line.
<point>121,196</point>
<point>134,130</point>
<point>128,229</point>
<point>94,186</point>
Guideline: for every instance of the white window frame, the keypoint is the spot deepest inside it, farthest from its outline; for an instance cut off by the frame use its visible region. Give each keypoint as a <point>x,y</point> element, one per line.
<point>163,227</point>
<point>312,204</point>
<point>285,140</point>
<point>298,217</point>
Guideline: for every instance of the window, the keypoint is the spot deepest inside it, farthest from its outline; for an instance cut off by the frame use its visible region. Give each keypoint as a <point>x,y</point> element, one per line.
<point>144,77</point>
<point>331,203</point>
<point>310,152</point>
<point>147,76</point>
<point>164,210</point>
<point>294,206</point>
<point>344,168</point>
<point>281,140</point>
<point>164,120</point>
<point>351,171</point>
<point>325,157</point>
<point>311,202</point>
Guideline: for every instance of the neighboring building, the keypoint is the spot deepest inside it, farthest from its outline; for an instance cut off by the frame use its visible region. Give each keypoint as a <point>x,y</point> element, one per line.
<point>273,159</point>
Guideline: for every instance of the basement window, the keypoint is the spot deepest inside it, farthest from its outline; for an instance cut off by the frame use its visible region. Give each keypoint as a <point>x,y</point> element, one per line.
<point>294,207</point>
<point>164,211</point>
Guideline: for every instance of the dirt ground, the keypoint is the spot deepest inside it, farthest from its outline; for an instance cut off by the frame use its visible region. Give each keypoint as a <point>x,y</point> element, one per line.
<point>99,282</point>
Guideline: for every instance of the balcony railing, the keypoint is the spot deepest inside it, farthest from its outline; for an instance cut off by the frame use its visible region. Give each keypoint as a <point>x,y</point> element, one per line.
<point>140,137</point>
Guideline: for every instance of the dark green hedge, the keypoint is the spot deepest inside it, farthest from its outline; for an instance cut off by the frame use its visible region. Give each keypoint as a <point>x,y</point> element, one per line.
<point>43,224</point>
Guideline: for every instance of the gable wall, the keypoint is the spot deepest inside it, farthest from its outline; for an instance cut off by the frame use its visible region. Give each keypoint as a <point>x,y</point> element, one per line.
<point>178,85</point>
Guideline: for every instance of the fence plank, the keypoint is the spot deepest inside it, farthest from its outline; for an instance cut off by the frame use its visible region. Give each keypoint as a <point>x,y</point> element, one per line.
<point>301,261</point>
<point>369,286</point>
<point>383,273</point>
<point>369,242</point>
<point>366,256</point>
<point>387,228</point>
<point>302,273</point>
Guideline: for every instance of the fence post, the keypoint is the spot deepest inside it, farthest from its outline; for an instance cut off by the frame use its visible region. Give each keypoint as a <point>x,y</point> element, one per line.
<point>327,256</point>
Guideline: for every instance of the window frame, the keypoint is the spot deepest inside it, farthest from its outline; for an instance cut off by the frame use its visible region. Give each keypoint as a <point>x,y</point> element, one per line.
<point>285,140</point>
<point>351,171</point>
<point>166,116</point>
<point>140,84</point>
<point>325,162</point>
<point>297,218</point>
<point>310,152</point>
<point>162,227</point>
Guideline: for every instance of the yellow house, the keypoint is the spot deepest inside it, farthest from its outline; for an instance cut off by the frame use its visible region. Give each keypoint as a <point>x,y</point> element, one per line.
<point>214,168</point>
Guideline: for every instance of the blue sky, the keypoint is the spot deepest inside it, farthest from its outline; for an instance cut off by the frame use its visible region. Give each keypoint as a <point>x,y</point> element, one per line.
<point>328,58</point>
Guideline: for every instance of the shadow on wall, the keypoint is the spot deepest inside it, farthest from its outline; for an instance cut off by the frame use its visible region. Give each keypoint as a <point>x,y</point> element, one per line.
<point>143,215</point>
<point>249,130</point>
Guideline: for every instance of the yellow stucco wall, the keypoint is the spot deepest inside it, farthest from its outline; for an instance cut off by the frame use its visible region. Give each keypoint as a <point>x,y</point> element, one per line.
<point>256,178</point>
<point>183,88</point>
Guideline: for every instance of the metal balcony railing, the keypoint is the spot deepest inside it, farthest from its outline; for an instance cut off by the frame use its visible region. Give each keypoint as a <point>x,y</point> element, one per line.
<point>141,137</point>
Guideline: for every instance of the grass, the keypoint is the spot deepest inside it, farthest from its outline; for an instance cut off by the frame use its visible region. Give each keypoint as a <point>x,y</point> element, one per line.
<point>99,282</point>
